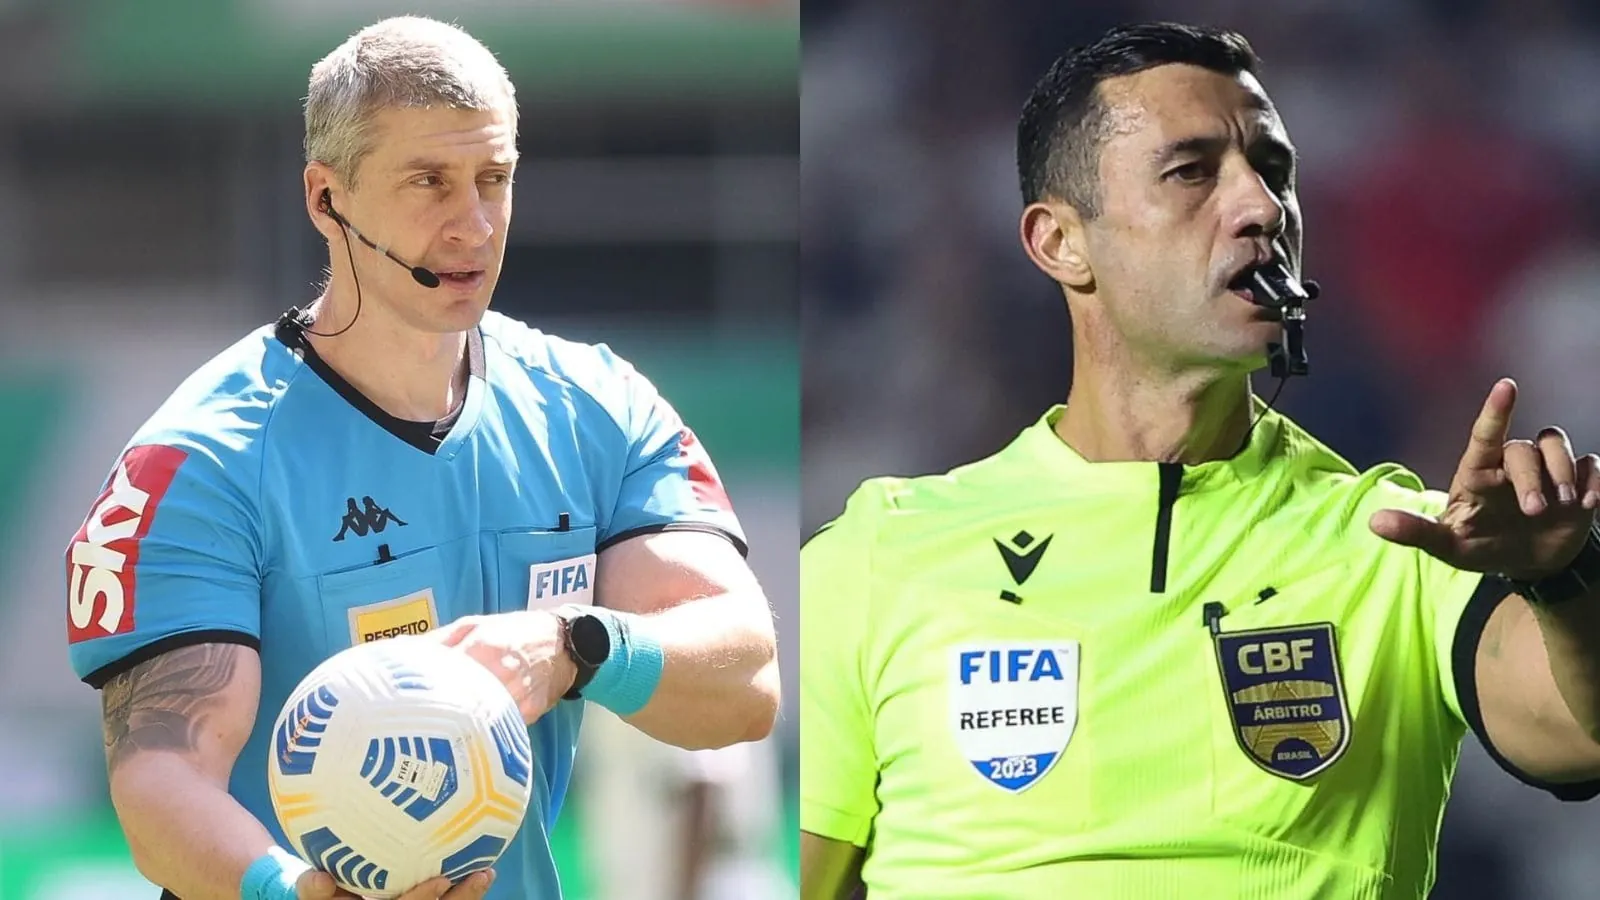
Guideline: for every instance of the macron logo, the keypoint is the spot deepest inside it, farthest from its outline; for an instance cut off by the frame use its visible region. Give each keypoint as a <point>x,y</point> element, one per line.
<point>1021,561</point>
<point>101,560</point>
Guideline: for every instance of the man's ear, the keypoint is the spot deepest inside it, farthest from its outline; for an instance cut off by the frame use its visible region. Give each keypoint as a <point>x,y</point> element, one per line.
<point>320,183</point>
<point>1053,237</point>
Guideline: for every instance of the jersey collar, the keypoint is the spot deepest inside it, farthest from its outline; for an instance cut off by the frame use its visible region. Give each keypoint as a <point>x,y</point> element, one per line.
<point>290,331</point>
<point>1051,454</point>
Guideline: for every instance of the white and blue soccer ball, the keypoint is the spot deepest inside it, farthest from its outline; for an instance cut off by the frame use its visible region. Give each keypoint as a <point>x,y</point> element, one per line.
<point>396,761</point>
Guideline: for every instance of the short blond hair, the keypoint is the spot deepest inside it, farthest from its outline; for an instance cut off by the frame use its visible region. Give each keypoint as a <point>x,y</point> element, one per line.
<point>398,63</point>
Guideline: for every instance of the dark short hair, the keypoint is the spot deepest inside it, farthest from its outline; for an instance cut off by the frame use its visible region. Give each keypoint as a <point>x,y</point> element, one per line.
<point>1062,125</point>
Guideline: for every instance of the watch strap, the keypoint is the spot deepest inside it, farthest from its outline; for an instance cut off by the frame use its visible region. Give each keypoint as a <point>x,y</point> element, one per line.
<point>1578,579</point>
<point>586,669</point>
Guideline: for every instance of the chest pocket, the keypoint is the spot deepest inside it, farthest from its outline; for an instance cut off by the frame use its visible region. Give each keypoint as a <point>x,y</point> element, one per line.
<point>981,704</point>
<point>381,600</point>
<point>1289,761</point>
<point>546,569</point>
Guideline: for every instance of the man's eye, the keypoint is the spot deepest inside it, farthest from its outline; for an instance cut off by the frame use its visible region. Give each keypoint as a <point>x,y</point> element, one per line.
<point>1191,173</point>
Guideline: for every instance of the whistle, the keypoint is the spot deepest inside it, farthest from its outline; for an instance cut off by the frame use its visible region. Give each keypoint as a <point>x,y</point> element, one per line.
<point>1274,286</point>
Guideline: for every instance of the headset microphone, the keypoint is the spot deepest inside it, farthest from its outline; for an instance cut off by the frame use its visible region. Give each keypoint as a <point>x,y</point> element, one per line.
<point>424,277</point>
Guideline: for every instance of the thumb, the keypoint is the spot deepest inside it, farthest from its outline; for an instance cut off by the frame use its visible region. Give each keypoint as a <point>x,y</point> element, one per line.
<point>315,885</point>
<point>1409,529</point>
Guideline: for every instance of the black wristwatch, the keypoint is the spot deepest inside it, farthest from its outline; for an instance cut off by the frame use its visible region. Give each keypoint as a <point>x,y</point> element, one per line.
<point>1578,579</point>
<point>588,644</point>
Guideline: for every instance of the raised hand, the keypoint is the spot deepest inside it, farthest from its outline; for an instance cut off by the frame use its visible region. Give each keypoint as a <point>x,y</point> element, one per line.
<point>1520,508</point>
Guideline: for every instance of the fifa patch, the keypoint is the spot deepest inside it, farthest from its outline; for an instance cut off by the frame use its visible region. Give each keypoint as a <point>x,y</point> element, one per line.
<point>412,614</point>
<point>563,581</point>
<point>1013,707</point>
<point>1286,697</point>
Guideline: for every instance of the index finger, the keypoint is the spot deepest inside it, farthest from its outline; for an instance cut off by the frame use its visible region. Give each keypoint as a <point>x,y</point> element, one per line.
<point>1486,448</point>
<point>472,887</point>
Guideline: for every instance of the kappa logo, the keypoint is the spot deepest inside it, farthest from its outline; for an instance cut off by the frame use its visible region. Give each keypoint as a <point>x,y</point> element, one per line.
<point>1013,707</point>
<point>367,518</point>
<point>101,562</point>
<point>1286,697</point>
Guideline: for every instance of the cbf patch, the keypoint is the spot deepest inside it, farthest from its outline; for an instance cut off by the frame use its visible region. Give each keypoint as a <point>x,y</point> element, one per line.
<point>561,582</point>
<point>1013,707</point>
<point>1286,697</point>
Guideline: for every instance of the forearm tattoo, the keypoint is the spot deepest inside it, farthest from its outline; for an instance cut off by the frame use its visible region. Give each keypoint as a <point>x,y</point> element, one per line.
<point>163,704</point>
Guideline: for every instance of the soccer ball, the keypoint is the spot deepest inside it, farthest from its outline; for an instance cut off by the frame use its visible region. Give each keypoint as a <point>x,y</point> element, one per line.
<point>396,761</point>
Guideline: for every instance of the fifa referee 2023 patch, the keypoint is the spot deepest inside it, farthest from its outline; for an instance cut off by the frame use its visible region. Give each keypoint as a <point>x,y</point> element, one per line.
<point>1013,707</point>
<point>1286,697</point>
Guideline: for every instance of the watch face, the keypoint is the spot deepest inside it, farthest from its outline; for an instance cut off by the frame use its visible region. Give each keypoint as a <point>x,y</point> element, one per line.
<point>590,639</point>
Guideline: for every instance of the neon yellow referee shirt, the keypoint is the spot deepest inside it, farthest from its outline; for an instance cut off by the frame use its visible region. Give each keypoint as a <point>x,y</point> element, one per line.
<point>1037,677</point>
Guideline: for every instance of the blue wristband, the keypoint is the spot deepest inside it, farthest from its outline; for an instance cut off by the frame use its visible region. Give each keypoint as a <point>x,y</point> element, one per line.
<point>273,876</point>
<point>625,682</point>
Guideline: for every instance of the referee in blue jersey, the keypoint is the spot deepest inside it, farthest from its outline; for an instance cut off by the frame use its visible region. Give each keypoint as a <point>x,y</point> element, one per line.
<point>395,459</point>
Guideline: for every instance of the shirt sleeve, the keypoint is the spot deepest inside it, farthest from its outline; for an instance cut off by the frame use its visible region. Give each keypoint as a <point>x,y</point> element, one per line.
<point>1453,610</point>
<point>1456,606</point>
<point>166,557</point>
<point>668,480</point>
<point>838,764</point>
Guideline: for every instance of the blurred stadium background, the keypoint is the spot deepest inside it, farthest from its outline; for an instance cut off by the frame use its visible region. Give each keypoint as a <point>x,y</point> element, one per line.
<point>150,214</point>
<point>1451,192</point>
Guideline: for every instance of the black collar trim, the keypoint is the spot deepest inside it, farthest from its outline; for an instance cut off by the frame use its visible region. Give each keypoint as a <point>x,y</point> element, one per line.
<point>425,436</point>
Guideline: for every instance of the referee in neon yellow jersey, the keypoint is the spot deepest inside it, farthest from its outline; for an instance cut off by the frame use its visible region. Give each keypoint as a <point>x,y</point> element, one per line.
<point>1165,643</point>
